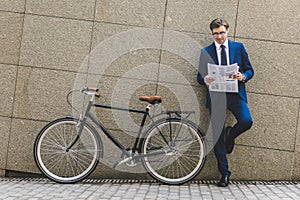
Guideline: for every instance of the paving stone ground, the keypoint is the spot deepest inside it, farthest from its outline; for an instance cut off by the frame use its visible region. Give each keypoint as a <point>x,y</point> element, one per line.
<point>22,188</point>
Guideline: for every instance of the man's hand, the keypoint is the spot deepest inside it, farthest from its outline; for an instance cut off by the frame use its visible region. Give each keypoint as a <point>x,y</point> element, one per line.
<point>208,80</point>
<point>239,76</point>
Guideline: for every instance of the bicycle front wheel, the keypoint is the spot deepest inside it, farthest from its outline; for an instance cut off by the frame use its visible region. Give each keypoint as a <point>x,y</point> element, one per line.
<point>173,151</point>
<point>61,164</point>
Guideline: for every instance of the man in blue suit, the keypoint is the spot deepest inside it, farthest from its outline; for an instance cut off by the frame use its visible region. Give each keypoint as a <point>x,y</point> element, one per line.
<point>225,52</point>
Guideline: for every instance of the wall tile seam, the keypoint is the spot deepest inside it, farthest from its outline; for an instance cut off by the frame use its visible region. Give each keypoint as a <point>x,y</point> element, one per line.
<point>4,116</point>
<point>105,75</point>
<point>92,33</point>
<point>236,18</point>
<point>265,148</point>
<point>293,162</point>
<point>232,36</point>
<point>86,73</point>
<point>88,20</point>
<point>51,69</point>
<point>8,11</point>
<point>58,17</point>
<point>9,64</point>
<point>165,13</point>
<point>265,40</point>
<point>129,25</point>
<point>297,127</point>
<point>161,46</point>
<point>275,95</point>
<point>113,76</point>
<point>25,5</point>
<point>15,88</point>
<point>9,134</point>
<point>193,32</point>
<point>183,84</point>
<point>30,119</point>
<point>127,78</point>
<point>91,39</point>
<point>94,21</point>
<point>95,9</point>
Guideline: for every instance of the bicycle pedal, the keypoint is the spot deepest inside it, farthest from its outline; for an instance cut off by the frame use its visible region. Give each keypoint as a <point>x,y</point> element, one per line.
<point>122,162</point>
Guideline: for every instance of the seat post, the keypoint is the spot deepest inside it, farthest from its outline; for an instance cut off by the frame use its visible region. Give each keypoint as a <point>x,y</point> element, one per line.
<point>145,115</point>
<point>135,146</point>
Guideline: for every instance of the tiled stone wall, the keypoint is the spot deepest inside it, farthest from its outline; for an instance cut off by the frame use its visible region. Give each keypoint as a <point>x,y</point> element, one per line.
<point>147,47</point>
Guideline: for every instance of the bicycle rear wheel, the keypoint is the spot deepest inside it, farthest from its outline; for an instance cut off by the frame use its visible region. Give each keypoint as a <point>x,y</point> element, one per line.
<point>174,151</point>
<point>57,162</point>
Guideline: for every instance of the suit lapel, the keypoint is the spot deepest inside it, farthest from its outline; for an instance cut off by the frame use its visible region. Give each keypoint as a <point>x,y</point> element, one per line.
<point>231,51</point>
<point>213,53</point>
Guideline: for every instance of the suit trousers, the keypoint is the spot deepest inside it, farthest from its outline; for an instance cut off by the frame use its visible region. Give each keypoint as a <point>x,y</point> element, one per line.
<point>239,108</point>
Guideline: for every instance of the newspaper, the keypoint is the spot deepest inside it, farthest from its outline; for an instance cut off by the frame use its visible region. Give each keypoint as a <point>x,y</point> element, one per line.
<point>224,78</point>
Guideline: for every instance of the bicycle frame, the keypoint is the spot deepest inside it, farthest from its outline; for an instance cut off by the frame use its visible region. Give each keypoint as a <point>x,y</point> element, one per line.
<point>138,140</point>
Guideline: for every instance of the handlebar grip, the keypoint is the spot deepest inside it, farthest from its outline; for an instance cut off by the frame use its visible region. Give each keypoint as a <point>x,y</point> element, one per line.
<point>92,89</point>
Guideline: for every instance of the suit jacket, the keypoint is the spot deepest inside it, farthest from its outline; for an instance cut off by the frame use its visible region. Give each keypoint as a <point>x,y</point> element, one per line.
<point>237,54</point>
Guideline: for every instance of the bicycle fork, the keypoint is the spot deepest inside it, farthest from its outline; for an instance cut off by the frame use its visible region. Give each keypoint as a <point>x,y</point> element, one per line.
<point>81,120</point>
<point>79,124</point>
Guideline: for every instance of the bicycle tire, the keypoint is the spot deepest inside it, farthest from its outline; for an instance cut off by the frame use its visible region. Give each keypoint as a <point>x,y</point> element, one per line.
<point>60,165</point>
<point>174,151</point>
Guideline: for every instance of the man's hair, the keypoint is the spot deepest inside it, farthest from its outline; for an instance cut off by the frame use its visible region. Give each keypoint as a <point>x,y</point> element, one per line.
<point>216,23</point>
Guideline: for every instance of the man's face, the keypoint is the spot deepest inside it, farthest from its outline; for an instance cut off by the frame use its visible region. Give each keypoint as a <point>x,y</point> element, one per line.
<point>220,34</point>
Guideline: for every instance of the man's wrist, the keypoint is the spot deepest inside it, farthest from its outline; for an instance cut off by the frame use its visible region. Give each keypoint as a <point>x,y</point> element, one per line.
<point>243,78</point>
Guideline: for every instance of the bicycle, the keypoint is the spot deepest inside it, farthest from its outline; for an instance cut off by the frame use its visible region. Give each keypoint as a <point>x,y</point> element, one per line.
<point>172,149</point>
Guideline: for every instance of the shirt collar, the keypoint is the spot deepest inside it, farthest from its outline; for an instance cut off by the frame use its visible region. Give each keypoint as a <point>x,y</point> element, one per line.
<point>218,46</point>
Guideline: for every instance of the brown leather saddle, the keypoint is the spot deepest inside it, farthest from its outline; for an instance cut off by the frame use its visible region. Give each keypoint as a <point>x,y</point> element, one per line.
<point>151,99</point>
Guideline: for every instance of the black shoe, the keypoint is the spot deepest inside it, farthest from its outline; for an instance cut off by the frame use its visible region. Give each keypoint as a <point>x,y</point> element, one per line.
<point>224,181</point>
<point>229,142</point>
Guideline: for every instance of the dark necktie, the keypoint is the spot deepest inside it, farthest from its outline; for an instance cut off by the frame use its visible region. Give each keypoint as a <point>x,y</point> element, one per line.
<point>223,55</point>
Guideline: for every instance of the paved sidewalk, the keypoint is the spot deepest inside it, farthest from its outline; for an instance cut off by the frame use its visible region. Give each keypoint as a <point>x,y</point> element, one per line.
<point>22,188</point>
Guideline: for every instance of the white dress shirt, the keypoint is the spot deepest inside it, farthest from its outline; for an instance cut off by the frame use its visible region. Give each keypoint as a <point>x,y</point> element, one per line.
<point>218,48</point>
